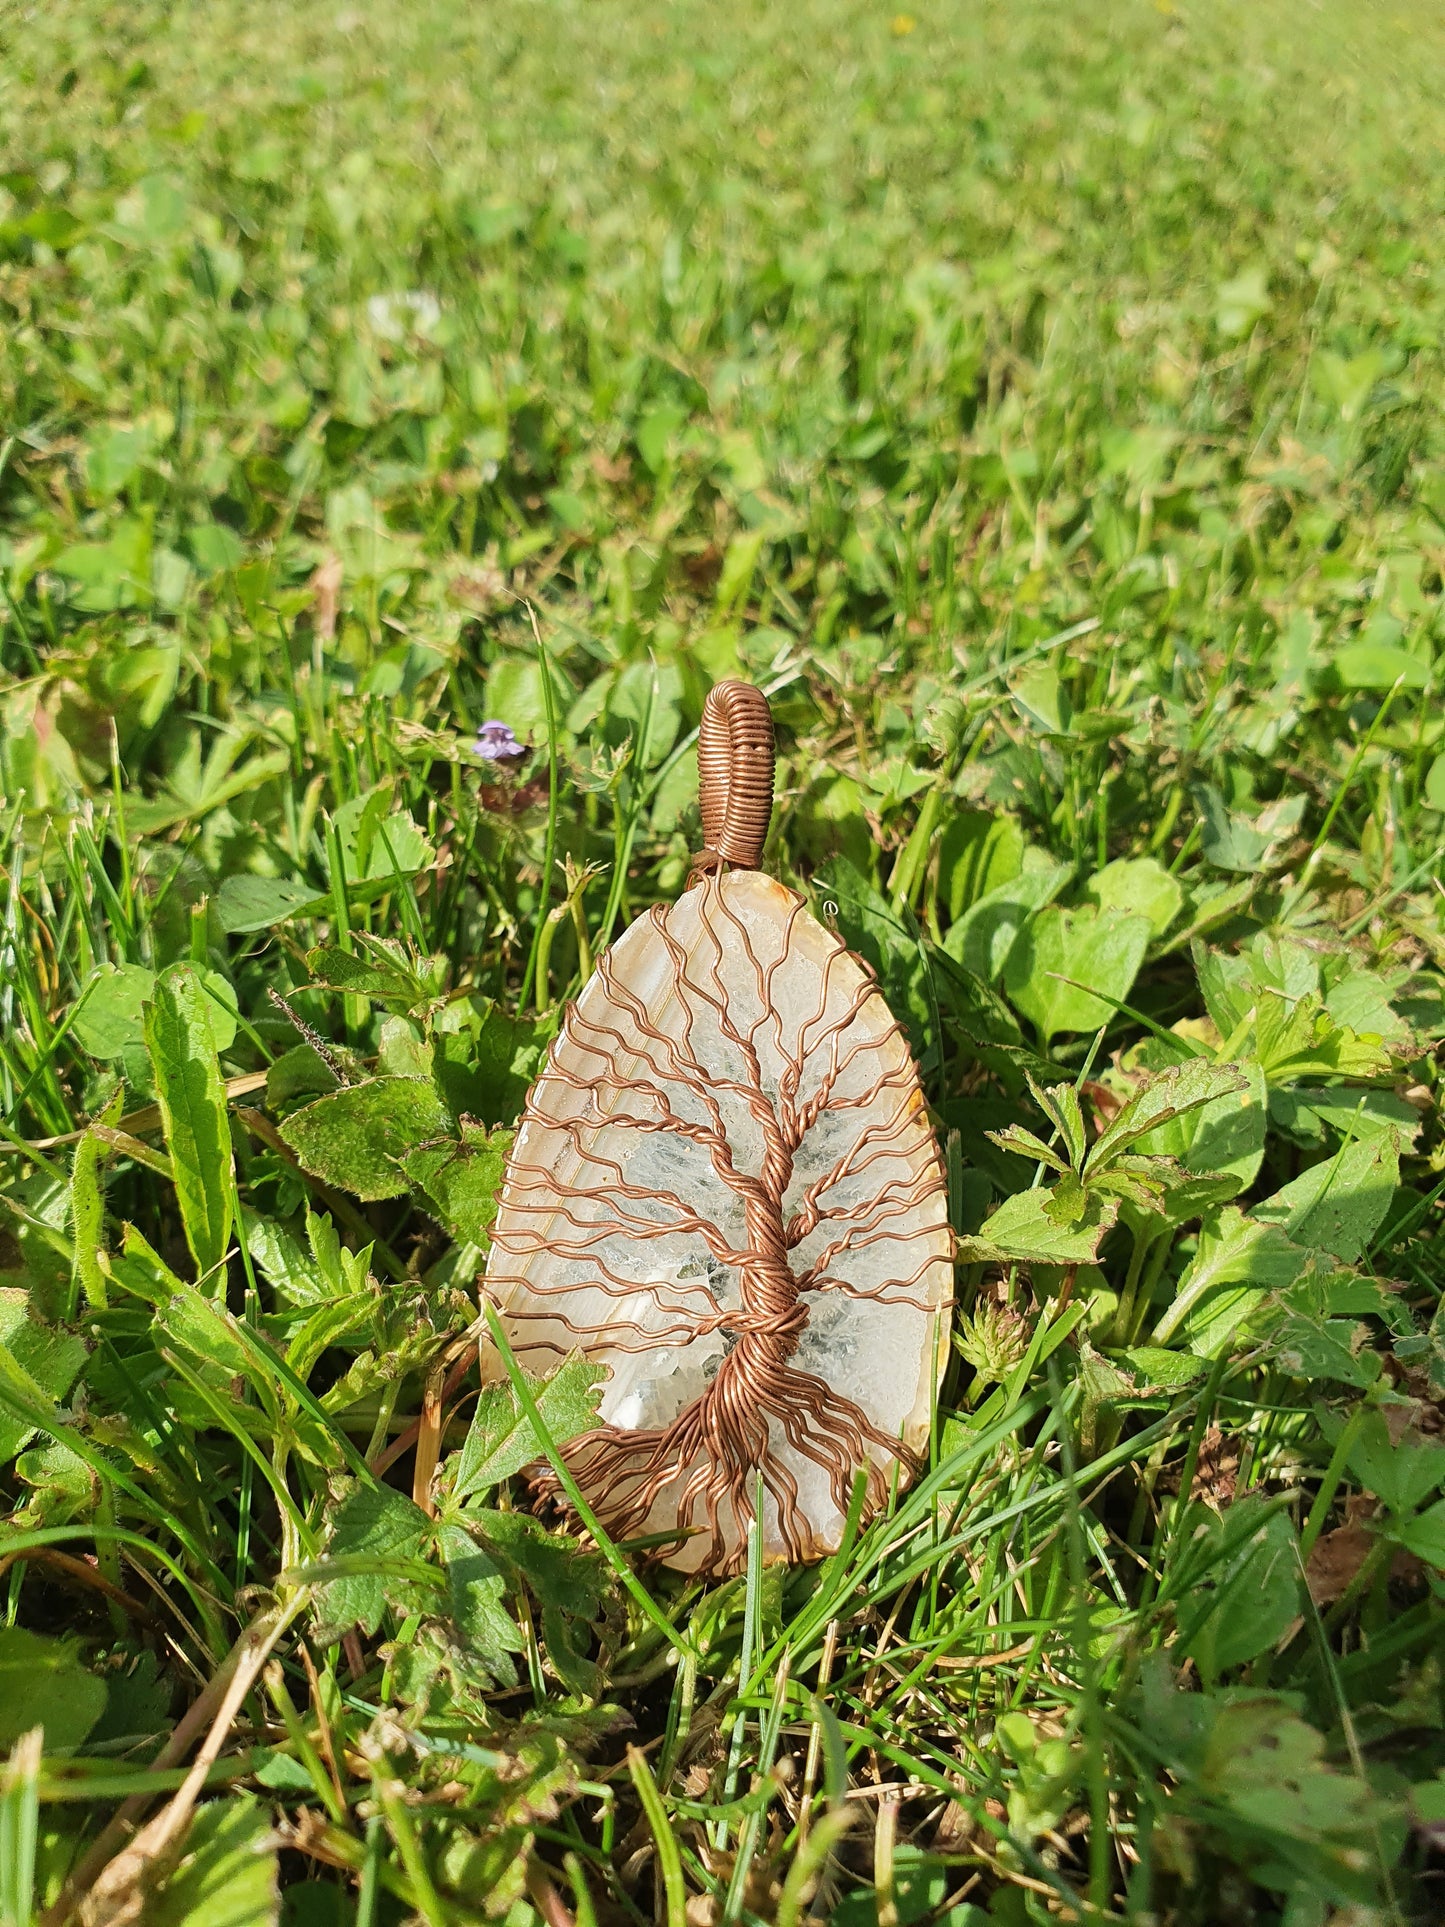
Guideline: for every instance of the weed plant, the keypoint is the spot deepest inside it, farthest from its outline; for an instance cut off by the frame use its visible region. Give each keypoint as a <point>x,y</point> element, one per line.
<point>1042,404</point>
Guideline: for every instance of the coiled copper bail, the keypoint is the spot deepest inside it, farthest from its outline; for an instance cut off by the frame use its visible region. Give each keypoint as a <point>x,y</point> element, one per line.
<point>735,764</point>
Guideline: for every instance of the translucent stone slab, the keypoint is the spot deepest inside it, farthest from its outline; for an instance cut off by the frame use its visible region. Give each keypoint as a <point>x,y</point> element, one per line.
<point>727,1190</point>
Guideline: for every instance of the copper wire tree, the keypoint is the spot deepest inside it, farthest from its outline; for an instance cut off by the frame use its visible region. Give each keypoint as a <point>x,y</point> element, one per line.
<point>726,1188</point>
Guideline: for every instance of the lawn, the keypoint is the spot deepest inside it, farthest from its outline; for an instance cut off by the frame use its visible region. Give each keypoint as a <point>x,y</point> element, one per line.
<point>1042,404</point>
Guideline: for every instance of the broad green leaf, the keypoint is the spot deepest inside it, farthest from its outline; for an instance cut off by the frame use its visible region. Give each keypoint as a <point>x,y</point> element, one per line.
<point>1310,1346</point>
<point>228,1875</point>
<point>1154,1365</point>
<point>374,1526</point>
<point>1022,1231</point>
<point>110,1018</point>
<point>248,903</point>
<point>501,1440</point>
<point>1237,1258</point>
<point>1425,1535</point>
<point>1242,301</point>
<point>1227,986</point>
<point>1249,844</point>
<point>208,1332</point>
<point>1402,1473</point>
<point>976,853</point>
<point>1339,1205</point>
<point>43,1683</point>
<point>1266,1767</point>
<point>1060,1105</point>
<point>1169,1094</point>
<point>477,1595</point>
<point>384,970</point>
<point>1061,956</point>
<point>299,1072</point>
<point>109,1015</point>
<point>1138,886</point>
<point>1297,1038</point>
<point>553,1566</point>
<point>1246,1590</point>
<point>461,1180</point>
<point>486,1074</point>
<point>292,1271</point>
<point>984,936</point>
<point>357,1138</point>
<point>49,1359</point>
<point>1361,1001</point>
<point>182,1048</point>
<point>1380,665</point>
<point>378,843</point>
<point>1223,1138</point>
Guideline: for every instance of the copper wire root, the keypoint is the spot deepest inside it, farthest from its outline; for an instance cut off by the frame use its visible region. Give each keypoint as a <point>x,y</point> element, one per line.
<point>735,758</point>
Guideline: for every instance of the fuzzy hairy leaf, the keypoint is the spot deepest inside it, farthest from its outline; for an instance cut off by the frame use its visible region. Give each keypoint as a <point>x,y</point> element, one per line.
<point>501,1440</point>
<point>462,1178</point>
<point>357,1138</point>
<point>192,1094</point>
<point>1169,1094</point>
<point>1023,1231</point>
<point>381,1537</point>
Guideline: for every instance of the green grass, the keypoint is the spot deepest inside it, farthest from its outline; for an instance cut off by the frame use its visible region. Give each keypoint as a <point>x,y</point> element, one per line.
<point>1043,404</point>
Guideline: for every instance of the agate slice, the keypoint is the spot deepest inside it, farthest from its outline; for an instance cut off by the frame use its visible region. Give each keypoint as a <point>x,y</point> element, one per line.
<point>726,1189</point>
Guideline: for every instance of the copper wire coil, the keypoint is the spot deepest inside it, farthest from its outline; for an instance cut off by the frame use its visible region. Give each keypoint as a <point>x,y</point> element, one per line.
<point>735,762</point>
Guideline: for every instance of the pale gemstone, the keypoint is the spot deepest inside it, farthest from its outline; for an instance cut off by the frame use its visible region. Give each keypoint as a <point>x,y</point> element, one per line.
<point>730,1048</point>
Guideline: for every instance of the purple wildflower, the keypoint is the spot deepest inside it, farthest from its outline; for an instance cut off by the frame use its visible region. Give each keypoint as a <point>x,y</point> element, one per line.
<point>497,744</point>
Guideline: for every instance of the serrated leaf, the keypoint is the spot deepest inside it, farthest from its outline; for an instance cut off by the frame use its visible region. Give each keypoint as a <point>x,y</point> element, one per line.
<point>1060,1105</point>
<point>1169,1094</point>
<point>1021,1231</point>
<point>181,1045</point>
<point>1403,1474</point>
<point>1067,1202</point>
<point>373,1526</point>
<point>49,1359</point>
<point>1297,1038</point>
<point>555,1568</point>
<point>462,1178</point>
<point>1339,1205</point>
<point>501,1441</point>
<point>44,1683</point>
<point>1156,1366</point>
<point>1236,1260</point>
<point>1024,1144</point>
<point>357,1138</point>
<point>380,968</point>
<point>1309,1346</point>
<point>477,1595</point>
